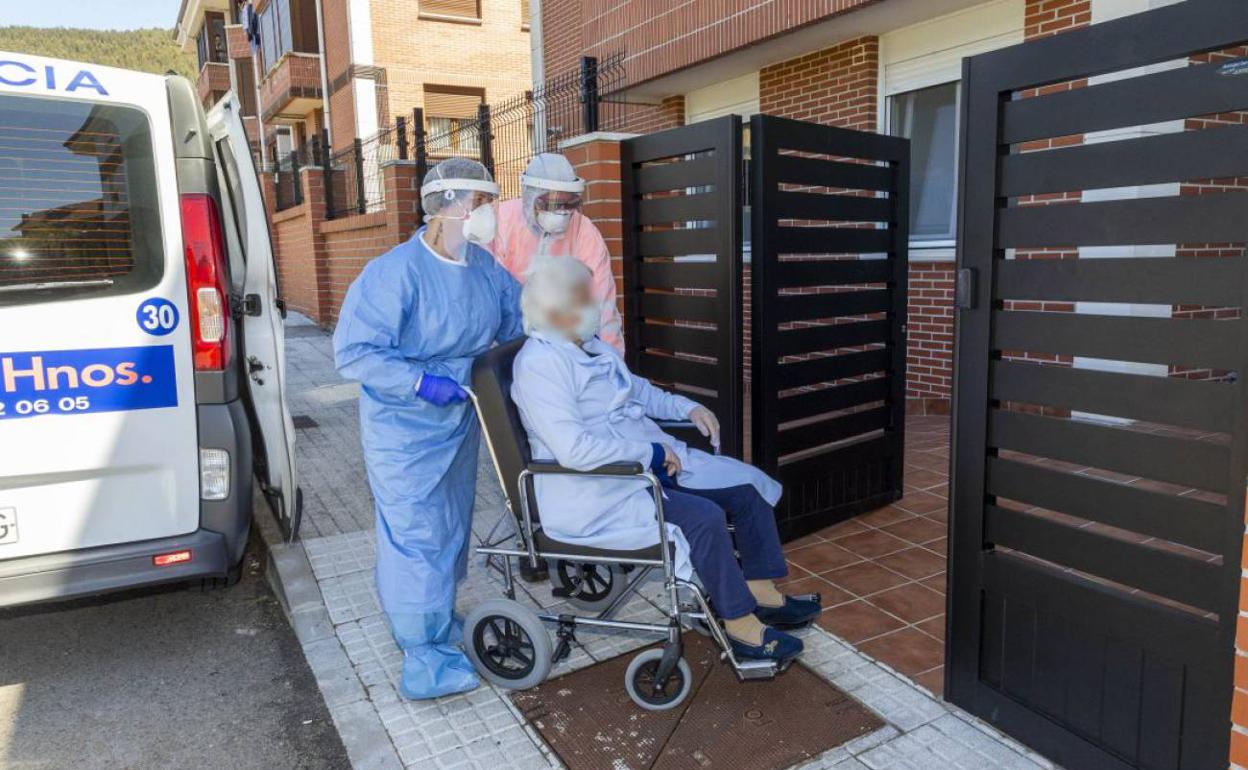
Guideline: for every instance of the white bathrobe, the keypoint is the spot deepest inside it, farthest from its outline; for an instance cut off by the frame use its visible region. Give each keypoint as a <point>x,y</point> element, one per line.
<point>585,411</point>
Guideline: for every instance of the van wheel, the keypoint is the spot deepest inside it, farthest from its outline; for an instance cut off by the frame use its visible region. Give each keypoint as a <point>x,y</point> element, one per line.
<point>231,579</point>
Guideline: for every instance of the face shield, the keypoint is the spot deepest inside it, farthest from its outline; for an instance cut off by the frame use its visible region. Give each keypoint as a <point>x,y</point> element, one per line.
<point>461,193</point>
<point>552,195</point>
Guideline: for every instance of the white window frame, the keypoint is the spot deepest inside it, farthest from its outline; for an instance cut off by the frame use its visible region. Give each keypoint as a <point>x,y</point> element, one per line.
<point>930,54</point>
<point>933,249</point>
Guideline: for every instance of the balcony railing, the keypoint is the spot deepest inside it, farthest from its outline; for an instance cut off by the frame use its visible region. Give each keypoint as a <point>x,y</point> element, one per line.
<point>214,80</point>
<point>292,88</point>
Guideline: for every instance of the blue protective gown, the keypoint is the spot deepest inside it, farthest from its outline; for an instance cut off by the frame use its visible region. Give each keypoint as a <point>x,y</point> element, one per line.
<point>411,312</point>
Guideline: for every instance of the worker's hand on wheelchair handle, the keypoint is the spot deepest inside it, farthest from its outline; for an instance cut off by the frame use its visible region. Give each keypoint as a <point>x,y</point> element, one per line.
<point>706,422</point>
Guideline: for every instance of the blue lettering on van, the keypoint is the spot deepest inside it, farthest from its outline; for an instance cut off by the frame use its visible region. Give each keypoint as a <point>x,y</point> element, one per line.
<point>79,381</point>
<point>21,74</point>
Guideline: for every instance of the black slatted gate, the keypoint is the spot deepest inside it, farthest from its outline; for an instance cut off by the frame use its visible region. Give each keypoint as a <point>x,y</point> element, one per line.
<point>829,265</point>
<point>682,265</point>
<point>1100,444</point>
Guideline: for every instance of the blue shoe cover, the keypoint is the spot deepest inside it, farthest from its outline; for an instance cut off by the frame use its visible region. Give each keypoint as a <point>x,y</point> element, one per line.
<point>436,670</point>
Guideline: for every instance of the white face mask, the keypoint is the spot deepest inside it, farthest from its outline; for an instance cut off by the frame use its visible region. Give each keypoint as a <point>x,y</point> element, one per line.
<point>554,222</point>
<point>589,320</point>
<point>481,225</point>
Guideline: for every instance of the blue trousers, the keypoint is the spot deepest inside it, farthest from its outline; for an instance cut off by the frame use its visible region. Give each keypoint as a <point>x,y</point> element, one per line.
<point>703,516</point>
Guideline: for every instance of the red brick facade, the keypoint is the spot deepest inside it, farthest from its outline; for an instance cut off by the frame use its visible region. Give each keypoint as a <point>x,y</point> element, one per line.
<point>319,257</point>
<point>664,38</point>
<point>838,86</point>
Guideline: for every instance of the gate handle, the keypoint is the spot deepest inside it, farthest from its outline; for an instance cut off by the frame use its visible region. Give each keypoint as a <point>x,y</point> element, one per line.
<point>964,289</point>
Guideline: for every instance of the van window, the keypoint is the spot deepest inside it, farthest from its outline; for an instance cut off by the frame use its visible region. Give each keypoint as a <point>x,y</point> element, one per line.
<point>78,203</point>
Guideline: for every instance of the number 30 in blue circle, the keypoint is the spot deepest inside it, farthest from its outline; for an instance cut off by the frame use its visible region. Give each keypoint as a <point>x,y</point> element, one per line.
<point>158,317</point>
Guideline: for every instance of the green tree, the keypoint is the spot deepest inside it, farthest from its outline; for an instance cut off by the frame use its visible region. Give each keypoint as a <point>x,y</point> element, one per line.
<point>146,50</point>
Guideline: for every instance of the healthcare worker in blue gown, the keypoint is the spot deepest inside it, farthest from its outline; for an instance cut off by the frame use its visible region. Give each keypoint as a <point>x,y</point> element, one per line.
<point>408,331</point>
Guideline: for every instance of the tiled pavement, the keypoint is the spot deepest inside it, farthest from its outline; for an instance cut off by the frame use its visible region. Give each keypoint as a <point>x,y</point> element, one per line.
<point>335,612</point>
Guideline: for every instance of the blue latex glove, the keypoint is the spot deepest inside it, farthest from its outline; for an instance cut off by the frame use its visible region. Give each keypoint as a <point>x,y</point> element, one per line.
<point>440,391</point>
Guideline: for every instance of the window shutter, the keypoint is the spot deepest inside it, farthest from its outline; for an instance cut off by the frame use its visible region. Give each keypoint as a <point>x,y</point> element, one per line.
<point>452,104</point>
<point>524,13</point>
<point>468,9</point>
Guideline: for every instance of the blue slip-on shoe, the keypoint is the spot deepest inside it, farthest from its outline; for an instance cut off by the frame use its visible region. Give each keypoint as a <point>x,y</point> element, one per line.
<point>777,646</point>
<point>796,612</point>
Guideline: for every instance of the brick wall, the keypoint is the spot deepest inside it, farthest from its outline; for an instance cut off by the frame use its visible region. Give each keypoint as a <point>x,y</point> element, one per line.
<point>598,163</point>
<point>318,258</point>
<point>337,55</point>
<point>837,86</point>
<point>661,38</point>
<point>350,244</point>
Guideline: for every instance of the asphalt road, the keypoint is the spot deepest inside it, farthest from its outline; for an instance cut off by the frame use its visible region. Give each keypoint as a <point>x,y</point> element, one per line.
<point>164,678</point>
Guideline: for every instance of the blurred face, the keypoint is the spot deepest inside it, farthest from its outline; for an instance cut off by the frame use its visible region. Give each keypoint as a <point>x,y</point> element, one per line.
<point>571,321</point>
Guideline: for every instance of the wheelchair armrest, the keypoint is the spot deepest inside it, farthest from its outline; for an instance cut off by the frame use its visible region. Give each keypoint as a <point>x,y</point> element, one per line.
<point>674,424</point>
<point>539,467</point>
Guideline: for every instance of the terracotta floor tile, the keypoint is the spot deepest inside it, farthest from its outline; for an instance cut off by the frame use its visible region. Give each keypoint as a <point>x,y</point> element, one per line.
<point>933,681</point>
<point>933,627</point>
<point>847,527</point>
<point>857,621</point>
<point>939,546</point>
<point>924,479</point>
<point>911,602</point>
<point>921,502</point>
<point>935,582</point>
<point>940,514</point>
<point>865,578</point>
<point>822,557</point>
<point>870,545</point>
<point>882,517</point>
<point>831,595</point>
<point>801,542</point>
<point>908,650</point>
<point>915,563</point>
<point>918,530</point>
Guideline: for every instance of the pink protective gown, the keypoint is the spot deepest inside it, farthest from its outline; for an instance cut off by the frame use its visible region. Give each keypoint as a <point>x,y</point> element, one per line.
<point>516,245</point>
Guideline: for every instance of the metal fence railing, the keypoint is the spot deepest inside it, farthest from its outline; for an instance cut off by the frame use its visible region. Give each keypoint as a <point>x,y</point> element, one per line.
<point>288,188</point>
<point>503,136</point>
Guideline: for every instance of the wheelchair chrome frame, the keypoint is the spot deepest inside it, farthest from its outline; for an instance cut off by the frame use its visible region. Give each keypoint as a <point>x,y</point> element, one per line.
<point>749,669</point>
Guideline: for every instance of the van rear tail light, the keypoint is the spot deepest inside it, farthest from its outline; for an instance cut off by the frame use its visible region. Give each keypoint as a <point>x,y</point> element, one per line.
<point>172,558</point>
<point>204,245</point>
<point>214,474</point>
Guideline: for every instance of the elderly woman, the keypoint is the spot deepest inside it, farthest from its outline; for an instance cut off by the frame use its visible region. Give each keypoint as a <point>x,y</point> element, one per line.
<point>583,408</point>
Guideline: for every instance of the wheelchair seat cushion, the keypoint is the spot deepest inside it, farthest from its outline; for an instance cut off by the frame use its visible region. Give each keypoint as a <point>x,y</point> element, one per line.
<point>546,544</point>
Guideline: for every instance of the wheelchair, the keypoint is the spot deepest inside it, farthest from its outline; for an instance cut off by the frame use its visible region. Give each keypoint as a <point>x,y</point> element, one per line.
<point>508,642</point>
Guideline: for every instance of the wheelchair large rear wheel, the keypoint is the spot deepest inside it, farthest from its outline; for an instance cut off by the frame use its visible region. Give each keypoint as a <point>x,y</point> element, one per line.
<point>508,644</point>
<point>639,682</point>
<point>590,587</point>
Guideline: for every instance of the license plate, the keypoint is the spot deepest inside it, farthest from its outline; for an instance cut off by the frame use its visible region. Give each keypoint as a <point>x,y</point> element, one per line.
<point>8,525</point>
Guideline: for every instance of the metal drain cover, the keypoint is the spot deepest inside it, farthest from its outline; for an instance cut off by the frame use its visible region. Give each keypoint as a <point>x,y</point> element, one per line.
<point>588,720</point>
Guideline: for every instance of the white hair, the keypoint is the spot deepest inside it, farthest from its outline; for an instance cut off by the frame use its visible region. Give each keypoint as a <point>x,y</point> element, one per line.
<point>551,284</point>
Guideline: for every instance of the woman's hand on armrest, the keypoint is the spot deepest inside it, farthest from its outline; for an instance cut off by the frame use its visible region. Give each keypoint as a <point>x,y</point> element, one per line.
<point>706,422</point>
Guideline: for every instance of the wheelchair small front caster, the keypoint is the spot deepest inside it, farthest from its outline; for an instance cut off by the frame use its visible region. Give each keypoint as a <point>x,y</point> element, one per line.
<point>508,644</point>
<point>639,681</point>
<point>531,574</point>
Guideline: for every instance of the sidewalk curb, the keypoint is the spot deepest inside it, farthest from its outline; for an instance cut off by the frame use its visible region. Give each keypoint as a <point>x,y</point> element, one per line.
<point>289,573</point>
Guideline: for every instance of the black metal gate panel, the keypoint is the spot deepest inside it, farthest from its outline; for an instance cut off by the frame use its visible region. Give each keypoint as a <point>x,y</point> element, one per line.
<point>682,266</point>
<point>830,223</point>
<point>1100,436</point>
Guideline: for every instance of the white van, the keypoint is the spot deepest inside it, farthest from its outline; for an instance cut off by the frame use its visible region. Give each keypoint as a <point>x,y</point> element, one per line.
<point>141,340</point>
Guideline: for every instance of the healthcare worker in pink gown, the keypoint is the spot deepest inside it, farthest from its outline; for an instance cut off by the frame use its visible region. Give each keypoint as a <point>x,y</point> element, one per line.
<point>546,221</point>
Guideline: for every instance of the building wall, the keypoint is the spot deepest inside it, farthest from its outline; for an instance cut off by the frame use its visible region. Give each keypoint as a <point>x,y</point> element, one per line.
<point>660,38</point>
<point>337,55</point>
<point>493,55</point>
